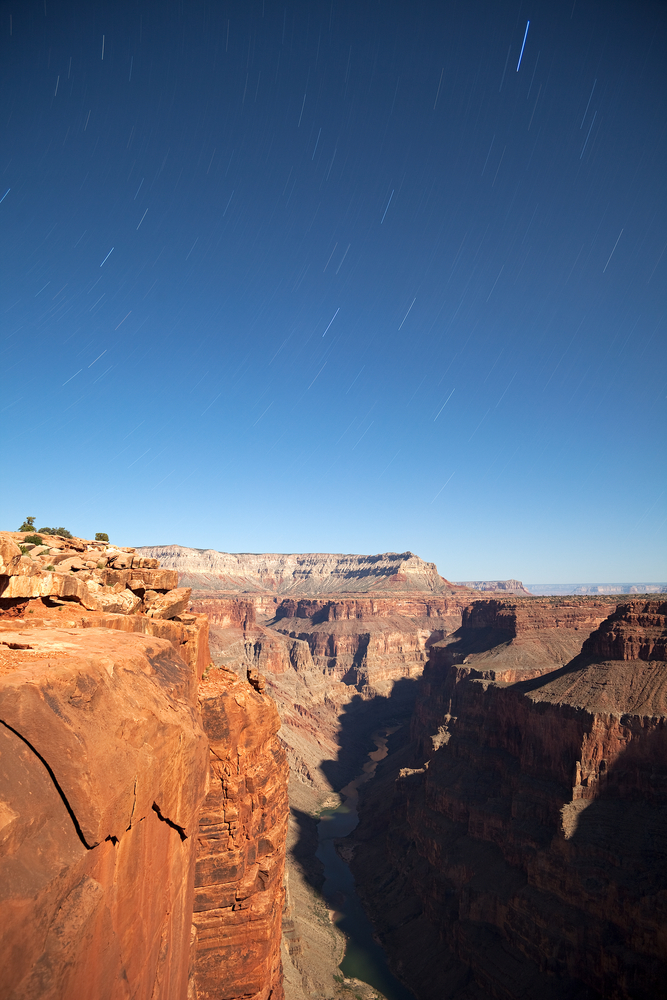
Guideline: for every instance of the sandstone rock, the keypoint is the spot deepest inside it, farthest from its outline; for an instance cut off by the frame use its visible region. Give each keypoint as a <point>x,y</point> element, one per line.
<point>10,555</point>
<point>123,603</point>
<point>107,822</point>
<point>151,579</point>
<point>240,863</point>
<point>171,604</point>
<point>48,585</point>
<point>73,562</point>
<point>144,562</point>
<point>120,560</point>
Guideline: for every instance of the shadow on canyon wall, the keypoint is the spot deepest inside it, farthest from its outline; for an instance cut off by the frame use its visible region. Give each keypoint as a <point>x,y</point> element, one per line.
<point>359,719</point>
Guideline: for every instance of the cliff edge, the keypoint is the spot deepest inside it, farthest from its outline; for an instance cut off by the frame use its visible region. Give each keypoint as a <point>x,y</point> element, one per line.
<point>143,797</point>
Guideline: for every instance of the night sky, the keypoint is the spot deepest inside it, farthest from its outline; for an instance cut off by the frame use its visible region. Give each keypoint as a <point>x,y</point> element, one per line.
<point>349,276</point>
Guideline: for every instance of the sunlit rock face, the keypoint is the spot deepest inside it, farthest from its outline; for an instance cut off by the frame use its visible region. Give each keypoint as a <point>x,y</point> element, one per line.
<point>309,573</point>
<point>129,771</point>
<point>522,830</point>
<point>102,776</point>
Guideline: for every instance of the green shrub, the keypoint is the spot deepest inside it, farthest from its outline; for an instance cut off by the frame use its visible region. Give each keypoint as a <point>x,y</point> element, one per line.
<point>101,536</point>
<point>63,532</point>
<point>34,539</point>
<point>28,524</point>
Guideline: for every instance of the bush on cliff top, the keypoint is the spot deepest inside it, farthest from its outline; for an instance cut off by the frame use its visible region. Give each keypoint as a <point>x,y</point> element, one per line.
<point>63,532</point>
<point>101,536</point>
<point>33,540</point>
<point>28,524</point>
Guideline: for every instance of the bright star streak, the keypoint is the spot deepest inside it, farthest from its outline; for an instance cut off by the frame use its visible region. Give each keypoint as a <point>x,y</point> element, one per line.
<point>330,322</point>
<point>523,46</point>
<point>387,208</point>
<point>107,256</point>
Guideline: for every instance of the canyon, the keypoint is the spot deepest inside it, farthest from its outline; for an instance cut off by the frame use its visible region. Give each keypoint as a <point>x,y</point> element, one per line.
<point>509,843</point>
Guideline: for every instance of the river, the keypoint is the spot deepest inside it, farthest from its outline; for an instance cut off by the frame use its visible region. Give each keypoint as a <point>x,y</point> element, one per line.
<point>364,958</point>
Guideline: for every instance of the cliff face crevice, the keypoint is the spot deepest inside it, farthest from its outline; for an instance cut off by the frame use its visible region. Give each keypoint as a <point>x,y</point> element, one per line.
<point>526,818</point>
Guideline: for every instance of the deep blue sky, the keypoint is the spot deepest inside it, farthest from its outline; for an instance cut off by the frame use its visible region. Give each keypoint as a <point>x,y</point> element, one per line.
<point>365,286</point>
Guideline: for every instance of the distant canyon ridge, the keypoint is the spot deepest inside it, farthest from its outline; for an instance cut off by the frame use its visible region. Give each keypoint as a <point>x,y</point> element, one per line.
<point>311,574</point>
<point>317,573</point>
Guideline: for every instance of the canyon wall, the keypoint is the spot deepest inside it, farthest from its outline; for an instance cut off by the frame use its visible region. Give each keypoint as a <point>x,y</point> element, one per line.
<point>147,859</point>
<point>241,856</point>
<point>309,573</point>
<point>103,770</point>
<point>519,835</point>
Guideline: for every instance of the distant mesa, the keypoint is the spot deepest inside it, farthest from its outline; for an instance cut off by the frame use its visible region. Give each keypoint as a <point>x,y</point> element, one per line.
<point>504,586</point>
<point>305,574</point>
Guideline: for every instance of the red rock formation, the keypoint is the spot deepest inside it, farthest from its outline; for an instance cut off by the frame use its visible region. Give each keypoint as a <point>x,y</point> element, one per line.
<point>102,771</point>
<point>528,842</point>
<point>241,844</point>
<point>102,723</point>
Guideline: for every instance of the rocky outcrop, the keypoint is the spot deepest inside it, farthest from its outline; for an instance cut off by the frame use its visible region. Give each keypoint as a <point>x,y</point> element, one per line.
<point>113,721</point>
<point>310,573</point>
<point>522,829</point>
<point>98,576</point>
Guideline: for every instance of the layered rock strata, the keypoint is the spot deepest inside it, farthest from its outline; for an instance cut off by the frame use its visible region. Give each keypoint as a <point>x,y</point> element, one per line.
<point>307,574</point>
<point>241,844</point>
<point>102,706</point>
<point>522,830</point>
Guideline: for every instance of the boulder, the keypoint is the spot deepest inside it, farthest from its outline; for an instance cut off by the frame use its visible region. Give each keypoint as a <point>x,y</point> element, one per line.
<point>145,562</point>
<point>146,579</point>
<point>74,562</point>
<point>49,585</point>
<point>122,603</point>
<point>10,554</point>
<point>171,604</point>
<point>120,560</point>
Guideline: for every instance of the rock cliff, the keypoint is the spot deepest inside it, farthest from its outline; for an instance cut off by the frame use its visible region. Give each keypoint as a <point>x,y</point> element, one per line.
<point>239,892</point>
<point>311,573</point>
<point>148,774</point>
<point>519,835</point>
